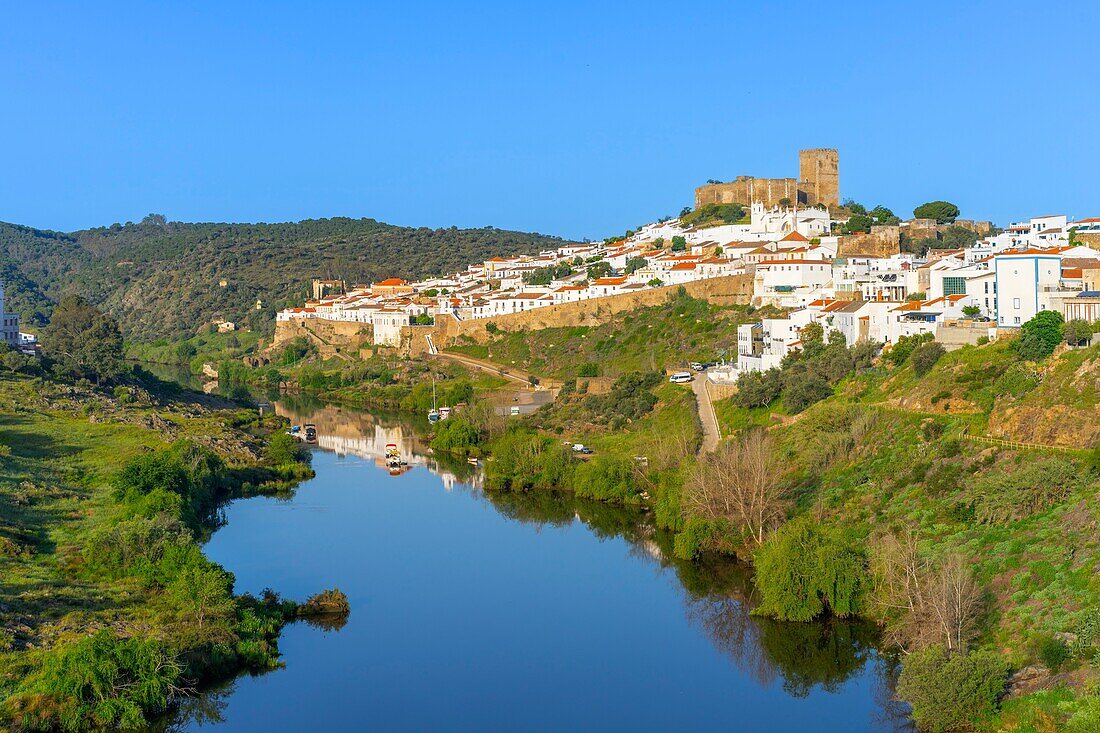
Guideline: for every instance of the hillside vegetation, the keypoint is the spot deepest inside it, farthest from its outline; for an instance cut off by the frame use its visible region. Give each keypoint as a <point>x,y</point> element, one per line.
<point>657,337</point>
<point>165,279</point>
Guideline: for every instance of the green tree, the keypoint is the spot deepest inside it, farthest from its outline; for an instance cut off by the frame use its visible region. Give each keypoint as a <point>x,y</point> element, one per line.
<point>944,212</point>
<point>1077,332</point>
<point>858,223</point>
<point>925,356</point>
<point>804,570</point>
<point>951,692</point>
<point>679,244</point>
<point>883,215</point>
<point>599,269</point>
<point>634,264</point>
<point>1040,336</point>
<point>972,311</point>
<point>84,340</point>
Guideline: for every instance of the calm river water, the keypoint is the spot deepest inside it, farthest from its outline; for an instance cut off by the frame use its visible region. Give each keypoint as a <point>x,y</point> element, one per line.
<point>474,612</point>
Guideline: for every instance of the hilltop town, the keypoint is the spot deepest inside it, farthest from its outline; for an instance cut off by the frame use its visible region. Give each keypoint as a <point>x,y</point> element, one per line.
<point>784,242</point>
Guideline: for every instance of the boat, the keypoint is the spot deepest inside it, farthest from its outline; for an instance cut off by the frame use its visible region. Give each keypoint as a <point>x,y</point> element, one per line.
<point>433,414</point>
<point>295,429</point>
<point>472,461</point>
<point>444,412</point>
<point>311,433</point>
<point>393,456</point>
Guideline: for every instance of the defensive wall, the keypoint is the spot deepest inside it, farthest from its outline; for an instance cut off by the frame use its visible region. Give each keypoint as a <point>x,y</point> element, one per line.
<point>332,337</point>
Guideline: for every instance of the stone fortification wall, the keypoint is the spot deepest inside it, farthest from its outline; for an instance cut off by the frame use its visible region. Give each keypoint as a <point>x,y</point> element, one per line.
<point>351,338</point>
<point>728,290</point>
<point>747,190</point>
<point>882,241</point>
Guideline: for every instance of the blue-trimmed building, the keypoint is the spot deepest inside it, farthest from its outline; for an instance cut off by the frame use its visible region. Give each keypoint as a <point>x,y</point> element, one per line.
<point>1023,283</point>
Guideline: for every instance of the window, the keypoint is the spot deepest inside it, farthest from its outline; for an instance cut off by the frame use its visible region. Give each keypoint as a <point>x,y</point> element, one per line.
<point>1016,319</point>
<point>954,286</point>
<point>1016,303</point>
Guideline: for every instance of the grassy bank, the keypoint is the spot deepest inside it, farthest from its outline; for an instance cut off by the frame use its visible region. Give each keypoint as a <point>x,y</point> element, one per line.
<point>110,611</point>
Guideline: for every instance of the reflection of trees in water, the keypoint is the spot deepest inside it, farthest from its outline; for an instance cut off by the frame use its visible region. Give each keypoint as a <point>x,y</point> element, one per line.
<point>207,708</point>
<point>718,598</point>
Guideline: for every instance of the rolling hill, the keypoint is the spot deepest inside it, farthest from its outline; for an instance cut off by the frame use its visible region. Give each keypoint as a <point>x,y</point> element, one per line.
<point>165,279</point>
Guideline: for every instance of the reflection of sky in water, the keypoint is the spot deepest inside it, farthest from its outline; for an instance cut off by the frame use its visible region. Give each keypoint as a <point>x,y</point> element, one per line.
<point>475,612</point>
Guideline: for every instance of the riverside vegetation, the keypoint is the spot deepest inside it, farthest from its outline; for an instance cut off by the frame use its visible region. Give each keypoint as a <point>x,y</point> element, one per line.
<point>109,612</point>
<point>859,484</point>
<point>855,482</point>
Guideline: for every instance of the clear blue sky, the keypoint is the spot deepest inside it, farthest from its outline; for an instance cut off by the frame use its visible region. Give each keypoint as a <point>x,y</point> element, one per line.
<point>571,118</point>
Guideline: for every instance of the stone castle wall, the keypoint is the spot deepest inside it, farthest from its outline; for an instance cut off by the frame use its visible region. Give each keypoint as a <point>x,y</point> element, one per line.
<point>728,290</point>
<point>746,190</point>
<point>818,183</point>
<point>882,241</point>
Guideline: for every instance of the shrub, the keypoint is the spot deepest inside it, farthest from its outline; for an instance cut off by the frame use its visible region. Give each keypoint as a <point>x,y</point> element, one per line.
<point>1077,332</point>
<point>283,449</point>
<point>949,692</point>
<point>805,570</point>
<point>606,478</point>
<point>925,356</point>
<point>100,681</point>
<point>455,434</point>
<point>588,369</point>
<point>1039,336</point>
<point>903,347</point>
<point>758,389</point>
<point>1005,497</point>
<point>803,388</point>
<point>492,327</point>
<point>523,460</point>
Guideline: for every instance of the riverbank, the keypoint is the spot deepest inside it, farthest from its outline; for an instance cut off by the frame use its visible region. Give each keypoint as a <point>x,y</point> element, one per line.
<point>110,611</point>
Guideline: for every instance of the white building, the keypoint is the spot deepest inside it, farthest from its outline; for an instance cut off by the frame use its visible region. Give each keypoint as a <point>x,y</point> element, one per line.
<point>1023,282</point>
<point>9,324</point>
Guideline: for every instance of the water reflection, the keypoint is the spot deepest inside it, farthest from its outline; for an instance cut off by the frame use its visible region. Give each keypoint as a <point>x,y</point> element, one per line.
<point>433,606</point>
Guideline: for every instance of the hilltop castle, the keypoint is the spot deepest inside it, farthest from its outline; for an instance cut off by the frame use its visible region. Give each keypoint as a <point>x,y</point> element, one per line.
<point>818,183</point>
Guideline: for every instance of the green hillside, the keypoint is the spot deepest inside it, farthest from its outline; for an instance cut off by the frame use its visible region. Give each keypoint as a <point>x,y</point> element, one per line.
<point>165,279</point>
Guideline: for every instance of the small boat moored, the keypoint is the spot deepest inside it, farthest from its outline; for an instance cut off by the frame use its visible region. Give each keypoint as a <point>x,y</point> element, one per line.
<point>311,433</point>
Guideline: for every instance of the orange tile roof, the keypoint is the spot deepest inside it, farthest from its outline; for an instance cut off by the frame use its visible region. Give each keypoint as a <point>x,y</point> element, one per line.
<point>609,281</point>
<point>794,236</point>
<point>389,282</point>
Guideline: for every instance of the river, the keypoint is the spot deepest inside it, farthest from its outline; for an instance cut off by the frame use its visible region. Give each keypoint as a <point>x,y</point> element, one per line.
<point>476,612</point>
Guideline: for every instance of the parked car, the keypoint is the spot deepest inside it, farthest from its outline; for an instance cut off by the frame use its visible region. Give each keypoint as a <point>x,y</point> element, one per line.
<point>582,448</point>
<point>697,366</point>
<point>680,378</point>
<point>514,411</point>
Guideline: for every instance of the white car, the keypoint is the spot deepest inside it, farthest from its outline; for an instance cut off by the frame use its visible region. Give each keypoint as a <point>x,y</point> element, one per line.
<point>680,378</point>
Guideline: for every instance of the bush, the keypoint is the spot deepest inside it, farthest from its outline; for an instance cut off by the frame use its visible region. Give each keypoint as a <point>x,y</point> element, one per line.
<point>283,449</point>
<point>1077,332</point>
<point>803,388</point>
<point>100,681</point>
<point>805,570</point>
<point>951,692</point>
<point>944,212</point>
<point>606,478</point>
<point>456,434</point>
<point>758,389</point>
<point>1040,336</point>
<point>925,356</point>
<point>1006,497</point>
<point>523,460</point>
<point>904,346</point>
<point>588,369</point>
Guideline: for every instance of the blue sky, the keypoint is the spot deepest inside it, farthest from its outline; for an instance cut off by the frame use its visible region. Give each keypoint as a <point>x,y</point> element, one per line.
<point>574,118</point>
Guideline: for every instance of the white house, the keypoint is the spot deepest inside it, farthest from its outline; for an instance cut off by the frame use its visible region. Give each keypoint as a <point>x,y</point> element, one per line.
<point>1022,283</point>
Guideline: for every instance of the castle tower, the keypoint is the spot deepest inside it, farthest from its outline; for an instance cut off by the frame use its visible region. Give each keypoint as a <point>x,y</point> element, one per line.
<point>819,176</point>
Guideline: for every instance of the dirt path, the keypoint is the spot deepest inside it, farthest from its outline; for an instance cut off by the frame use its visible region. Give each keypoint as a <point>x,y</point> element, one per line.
<point>712,434</point>
<point>485,367</point>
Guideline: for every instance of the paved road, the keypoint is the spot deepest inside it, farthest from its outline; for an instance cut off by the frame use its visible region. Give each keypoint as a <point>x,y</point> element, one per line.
<point>711,432</point>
